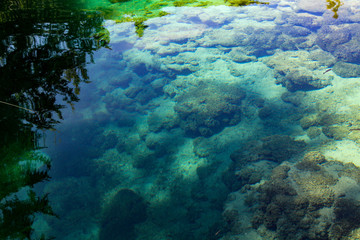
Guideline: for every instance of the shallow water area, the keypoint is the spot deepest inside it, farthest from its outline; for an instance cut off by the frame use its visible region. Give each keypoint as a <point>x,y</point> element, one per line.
<point>217,123</point>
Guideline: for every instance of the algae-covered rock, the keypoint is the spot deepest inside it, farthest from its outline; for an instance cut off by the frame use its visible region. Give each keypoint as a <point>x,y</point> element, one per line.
<point>336,132</point>
<point>341,40</point>
<point>239,55</point>
<point>121,215</point>
<point>309,121</point>
<point>279,148</point>
<point>313,132</point>
<point>311,161</point>
<point>206,109</point>
<point>347,215</point>
<point>297,71</point>
<point>311,205</point>
<point>293,98</point>
<point>329,38</point>
<point>276,148</point>
<point>346,70</point>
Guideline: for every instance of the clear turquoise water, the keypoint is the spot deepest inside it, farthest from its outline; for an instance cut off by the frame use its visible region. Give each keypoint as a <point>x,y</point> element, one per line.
<point>218,123</point>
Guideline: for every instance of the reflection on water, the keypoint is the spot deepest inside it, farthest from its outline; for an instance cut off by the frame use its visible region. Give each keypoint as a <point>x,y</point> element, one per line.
<point>218,123</point>
<point>44,46</point>
<point>334,6</point>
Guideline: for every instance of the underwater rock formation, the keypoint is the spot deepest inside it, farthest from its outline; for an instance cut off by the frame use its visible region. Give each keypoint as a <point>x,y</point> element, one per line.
<point>301,70</point>
<point>119,218</point>
<point>346,70</point>
<point>276,148</point>
<point>341,40</point>
<point>295,98</point>
<point>208,108</point>
<point>313,199</point>
<point>332,125</point>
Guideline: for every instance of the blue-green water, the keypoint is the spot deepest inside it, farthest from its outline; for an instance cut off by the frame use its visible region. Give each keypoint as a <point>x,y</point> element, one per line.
<point>218,123</point>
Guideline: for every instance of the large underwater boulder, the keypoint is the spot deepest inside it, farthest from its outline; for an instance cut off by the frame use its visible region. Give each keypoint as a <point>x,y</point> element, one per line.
<point>119,218</point>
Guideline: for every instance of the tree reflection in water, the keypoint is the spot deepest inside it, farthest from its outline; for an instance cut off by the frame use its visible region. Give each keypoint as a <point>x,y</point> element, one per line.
<point>334,6</point>
<point>43,50</point>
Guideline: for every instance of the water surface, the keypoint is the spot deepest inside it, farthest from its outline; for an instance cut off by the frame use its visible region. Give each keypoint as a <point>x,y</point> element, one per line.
<point>217,123</point>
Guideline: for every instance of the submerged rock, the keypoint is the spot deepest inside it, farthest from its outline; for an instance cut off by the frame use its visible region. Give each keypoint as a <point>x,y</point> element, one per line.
<point>276,148</point>
<point>346,70</point>
<point>313,199</point>
<point>119,218</point>
<point>341,40</point>
<point>208,108</point>
<point>299,70</point>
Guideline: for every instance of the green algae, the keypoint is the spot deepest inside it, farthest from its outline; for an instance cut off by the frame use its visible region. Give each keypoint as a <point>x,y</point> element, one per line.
<point>138,11</point>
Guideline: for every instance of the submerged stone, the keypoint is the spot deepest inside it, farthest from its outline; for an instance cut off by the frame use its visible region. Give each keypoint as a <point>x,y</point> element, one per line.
<point>299,70</point>
<point>346,70</point>
<point>119,218</point>
<point>311,199</point>
<point>209,108</point>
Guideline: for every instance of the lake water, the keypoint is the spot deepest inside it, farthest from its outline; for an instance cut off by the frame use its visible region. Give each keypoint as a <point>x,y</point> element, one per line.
<point>217,123</point>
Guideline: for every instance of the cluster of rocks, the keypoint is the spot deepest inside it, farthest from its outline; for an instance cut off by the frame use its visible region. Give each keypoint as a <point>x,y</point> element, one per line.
<point>312,199</point>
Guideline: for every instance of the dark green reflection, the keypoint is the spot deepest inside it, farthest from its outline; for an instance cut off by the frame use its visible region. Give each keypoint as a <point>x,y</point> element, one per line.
<point>44,45</point>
